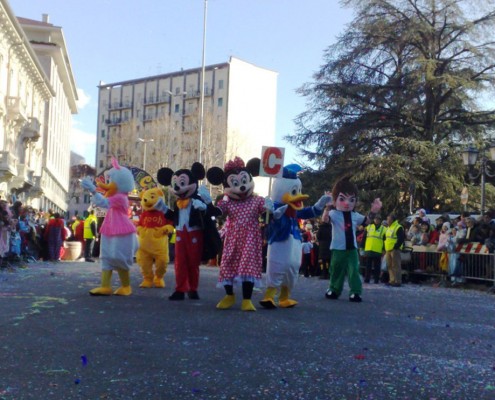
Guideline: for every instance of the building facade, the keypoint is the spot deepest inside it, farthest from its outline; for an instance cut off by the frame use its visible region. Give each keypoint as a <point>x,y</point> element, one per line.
<point>165,120</point>
<point>37,100</point>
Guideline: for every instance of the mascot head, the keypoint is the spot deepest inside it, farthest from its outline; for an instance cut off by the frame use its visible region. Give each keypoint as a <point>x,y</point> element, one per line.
<point>288,188</point>
<point>236,177</point>
<point>184,182</point>
<point>344,194</point>
<point>150,197</point>
<point>120,180</point>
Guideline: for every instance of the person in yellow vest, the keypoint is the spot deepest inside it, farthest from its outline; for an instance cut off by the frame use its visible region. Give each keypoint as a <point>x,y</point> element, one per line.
<point>394,241</point>
<point>90,232</point>
<point>373,249</point>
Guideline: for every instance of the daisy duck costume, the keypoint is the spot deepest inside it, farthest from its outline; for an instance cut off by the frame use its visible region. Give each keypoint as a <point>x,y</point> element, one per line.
<point>242,251</point>
<point>345,258</point>
<point>285,240</point>
<point>118,234</point>
<point>192,218</point>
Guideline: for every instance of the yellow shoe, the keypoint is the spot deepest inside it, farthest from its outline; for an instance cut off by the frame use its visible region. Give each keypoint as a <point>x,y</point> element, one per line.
<point>287,303</point>
<point>123,291</point>
<point>284,300</point>
<point>125,281</point>
<point>269,301</point>
<point>159,282</point>
<point>101,291</point>
<point>247,305</point>
<point>227,302</point>
<point>106,285</point>
<point>146,283</point>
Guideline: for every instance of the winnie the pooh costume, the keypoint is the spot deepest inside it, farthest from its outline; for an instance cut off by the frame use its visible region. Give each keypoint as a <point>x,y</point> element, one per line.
<point>153,229</point>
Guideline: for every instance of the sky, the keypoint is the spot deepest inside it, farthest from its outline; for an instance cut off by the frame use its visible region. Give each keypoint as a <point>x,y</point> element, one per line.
<point>117,40</point>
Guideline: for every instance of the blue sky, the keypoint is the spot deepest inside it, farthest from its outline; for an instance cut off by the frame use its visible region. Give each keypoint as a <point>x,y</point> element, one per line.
<point>115,40</point>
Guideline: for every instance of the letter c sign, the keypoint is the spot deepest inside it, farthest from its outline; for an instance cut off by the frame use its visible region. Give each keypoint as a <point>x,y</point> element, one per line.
<point>272,161</point>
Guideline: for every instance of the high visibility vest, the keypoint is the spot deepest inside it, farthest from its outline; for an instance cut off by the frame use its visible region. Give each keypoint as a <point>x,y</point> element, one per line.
<point>391,235</point>
<point>374,238</point>
<point>88,233</point>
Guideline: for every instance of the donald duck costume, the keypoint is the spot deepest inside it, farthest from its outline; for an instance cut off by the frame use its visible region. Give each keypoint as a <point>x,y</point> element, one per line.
<point>285,241</point>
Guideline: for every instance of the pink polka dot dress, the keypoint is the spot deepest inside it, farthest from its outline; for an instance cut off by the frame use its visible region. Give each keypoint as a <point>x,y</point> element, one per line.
<point>242,249</point>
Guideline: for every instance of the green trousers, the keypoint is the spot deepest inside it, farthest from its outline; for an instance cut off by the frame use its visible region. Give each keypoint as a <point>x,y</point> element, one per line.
<point>345,262</point>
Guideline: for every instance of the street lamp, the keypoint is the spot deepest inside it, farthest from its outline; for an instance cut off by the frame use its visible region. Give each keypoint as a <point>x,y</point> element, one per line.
<point>145,141</point>
<point>469,158</point>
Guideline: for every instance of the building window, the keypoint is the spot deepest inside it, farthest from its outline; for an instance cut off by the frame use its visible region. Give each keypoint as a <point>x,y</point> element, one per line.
<point>102,148</point>
<point>177,108</point>
<point>177,90</point>
<point>220,102</point>
<point>77,199</point>
<point>101,163</point>
<point>87,197</point>
<point>102,117</point>
<point>220,84</point>
<point>103,133</point>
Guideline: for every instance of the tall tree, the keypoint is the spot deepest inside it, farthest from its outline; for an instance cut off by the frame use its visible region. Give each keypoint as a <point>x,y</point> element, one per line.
<point>399,90</point>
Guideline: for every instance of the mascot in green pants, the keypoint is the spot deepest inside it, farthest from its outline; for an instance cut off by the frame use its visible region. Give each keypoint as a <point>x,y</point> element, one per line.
<point>345,258</point>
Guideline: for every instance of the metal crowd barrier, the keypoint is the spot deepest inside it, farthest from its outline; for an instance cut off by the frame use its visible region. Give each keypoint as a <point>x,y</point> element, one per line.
<point>468,261</point>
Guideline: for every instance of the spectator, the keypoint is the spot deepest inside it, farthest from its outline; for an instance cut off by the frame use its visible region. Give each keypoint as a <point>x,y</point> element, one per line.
<point>414,235</point>
<point>435,233</point>
<point>90,235</point>
<point>425,233</point>
<point>324,237</point>
<point>373,249</point>
<point>55,236</point>
<point>394,240</point>
<point>306,256</point>
<point>422,215</point>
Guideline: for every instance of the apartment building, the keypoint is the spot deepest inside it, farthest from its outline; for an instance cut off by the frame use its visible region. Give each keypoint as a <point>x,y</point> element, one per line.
<point>48,43</point>
<point>165,120</point>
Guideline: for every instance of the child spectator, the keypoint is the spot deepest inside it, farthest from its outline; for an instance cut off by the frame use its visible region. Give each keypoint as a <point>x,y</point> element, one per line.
<point>306,256</point>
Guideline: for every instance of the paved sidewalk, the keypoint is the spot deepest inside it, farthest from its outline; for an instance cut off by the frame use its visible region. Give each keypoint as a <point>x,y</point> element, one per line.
<point>413,342</point>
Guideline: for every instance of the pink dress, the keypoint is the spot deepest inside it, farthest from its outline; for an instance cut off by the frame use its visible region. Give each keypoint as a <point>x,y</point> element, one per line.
<point>117,221</point>
<point>242,251</point>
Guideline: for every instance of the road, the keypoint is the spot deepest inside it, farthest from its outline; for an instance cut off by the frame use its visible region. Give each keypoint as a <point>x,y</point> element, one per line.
<point>413,342</point>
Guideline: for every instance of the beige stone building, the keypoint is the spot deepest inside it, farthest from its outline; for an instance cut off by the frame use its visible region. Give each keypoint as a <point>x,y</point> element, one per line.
<point>37,100</point>
<point>156,121</point>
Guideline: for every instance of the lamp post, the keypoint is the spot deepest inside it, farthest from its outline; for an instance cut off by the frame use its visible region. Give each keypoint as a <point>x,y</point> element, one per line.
<point>145,142</point>
<point>202,96</point>
<point>469,158</point>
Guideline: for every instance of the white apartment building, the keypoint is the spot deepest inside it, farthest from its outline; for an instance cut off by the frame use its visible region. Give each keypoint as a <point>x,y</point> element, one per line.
<point>156,121</point>
<point>48,43</point>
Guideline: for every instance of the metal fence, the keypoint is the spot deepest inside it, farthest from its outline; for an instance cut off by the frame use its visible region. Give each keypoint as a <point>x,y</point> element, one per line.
<point>468,261</point>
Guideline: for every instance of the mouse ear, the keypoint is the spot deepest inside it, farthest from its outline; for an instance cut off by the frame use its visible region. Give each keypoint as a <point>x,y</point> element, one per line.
<point>215,175</point>
<point>164,176</point>
<point>198,171</point>
<point>253,166</point>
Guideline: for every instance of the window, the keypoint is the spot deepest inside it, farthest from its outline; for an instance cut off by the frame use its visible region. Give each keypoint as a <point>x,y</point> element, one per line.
<point>101,166</point>
<point>177,108</point>
<point>103,133</point>
<point>102,148</point>
<point>220,84</point>
<point>87,197</point>
<point>220,102</point>
<point>177,90</point>
<point>102,117</point>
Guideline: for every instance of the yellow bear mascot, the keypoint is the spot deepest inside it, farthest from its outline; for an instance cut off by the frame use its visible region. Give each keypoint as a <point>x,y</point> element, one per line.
<point>153,229</point>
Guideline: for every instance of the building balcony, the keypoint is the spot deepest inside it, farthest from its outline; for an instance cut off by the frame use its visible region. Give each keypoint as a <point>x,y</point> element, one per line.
<point>24,177</point>
<point>116,105</point>
<point>16,110</point>
<point>36,190</point>
<point>113,121</point>
<point>191,94</point>
<point>32,130</point>
<point>156,100</point>
<point>8,166</point>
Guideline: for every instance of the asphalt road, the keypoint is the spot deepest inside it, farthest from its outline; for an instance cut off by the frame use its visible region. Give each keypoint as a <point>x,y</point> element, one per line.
<point>413,342</point>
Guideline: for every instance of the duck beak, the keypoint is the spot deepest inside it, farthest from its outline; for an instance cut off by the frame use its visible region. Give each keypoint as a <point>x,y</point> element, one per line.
<point>295,202</point>
<point>109,188</point>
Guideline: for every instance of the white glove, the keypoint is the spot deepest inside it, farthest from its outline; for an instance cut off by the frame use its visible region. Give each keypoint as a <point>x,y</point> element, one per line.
<point>320,204</point>
<point>198,205</point>
<point>268,204</point>
<point>277,214</point>
<point>88,184</point>
<point>226,198</point>
<point>204,193</point>
<point>161,206</point>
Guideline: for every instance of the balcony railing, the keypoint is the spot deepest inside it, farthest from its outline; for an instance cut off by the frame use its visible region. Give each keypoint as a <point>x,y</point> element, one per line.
<point>8,164</point>
<point>16,109</point>
<point>120,105</point>
<point>156,100</point>
<point>32,130</point>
